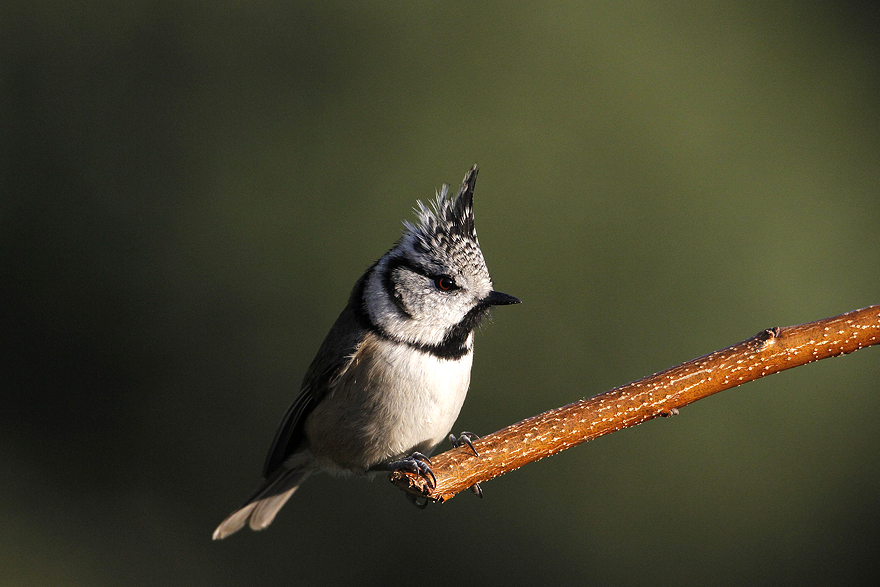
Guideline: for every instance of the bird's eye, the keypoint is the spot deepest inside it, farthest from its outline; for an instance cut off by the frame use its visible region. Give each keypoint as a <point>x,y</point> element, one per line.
<point>444,283</point>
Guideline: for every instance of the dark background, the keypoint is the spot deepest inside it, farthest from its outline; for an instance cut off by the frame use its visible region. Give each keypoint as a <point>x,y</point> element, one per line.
<point>189,190</point>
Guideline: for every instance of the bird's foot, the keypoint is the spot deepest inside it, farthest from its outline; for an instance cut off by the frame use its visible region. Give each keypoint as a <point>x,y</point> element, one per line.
<point>418,464</point>
<point>464,439</point>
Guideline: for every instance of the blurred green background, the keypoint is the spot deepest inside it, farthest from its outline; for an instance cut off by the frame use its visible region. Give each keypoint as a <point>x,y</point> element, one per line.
<point>190,189</point>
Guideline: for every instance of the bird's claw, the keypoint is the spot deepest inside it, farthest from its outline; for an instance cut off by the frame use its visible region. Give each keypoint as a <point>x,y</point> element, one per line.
<point>464,439</point>
<point>415,501</point>
<point>418,464</point>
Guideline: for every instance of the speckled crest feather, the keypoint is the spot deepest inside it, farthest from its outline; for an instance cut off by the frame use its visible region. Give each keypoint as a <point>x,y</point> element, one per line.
<point>449,222</point>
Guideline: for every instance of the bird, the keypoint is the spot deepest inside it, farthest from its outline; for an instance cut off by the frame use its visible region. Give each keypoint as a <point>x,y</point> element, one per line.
<point>389,380</point>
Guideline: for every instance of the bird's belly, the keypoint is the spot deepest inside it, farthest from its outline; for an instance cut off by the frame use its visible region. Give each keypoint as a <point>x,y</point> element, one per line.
<point>393,401</point>
<point>428,399</point>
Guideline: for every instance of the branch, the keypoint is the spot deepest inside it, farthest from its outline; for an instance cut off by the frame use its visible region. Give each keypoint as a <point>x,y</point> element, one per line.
<point>661,394</point>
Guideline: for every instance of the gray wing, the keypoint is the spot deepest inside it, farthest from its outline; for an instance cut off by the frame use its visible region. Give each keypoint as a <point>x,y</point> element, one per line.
<point>333,357</point>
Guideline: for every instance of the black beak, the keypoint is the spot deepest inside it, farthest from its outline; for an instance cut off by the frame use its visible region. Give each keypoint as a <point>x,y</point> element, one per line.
<point>496,298</point>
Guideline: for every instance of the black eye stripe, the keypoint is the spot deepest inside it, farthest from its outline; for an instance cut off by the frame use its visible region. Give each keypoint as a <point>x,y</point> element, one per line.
<point>402,262</point>
<point>442,282</point>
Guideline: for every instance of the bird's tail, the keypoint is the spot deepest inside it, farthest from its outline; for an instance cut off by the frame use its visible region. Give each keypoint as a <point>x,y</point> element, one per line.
<point>261,508</point>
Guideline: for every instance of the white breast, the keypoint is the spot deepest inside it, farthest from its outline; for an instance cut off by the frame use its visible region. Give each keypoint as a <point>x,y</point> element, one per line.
<point>427,394</point>
<point>391,401</point>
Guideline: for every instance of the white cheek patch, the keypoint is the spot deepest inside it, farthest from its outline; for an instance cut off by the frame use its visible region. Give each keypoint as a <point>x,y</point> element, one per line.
<point>384,313</point>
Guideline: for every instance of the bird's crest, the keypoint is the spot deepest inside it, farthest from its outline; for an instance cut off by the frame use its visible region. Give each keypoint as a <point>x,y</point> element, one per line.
<point>448,222</point>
